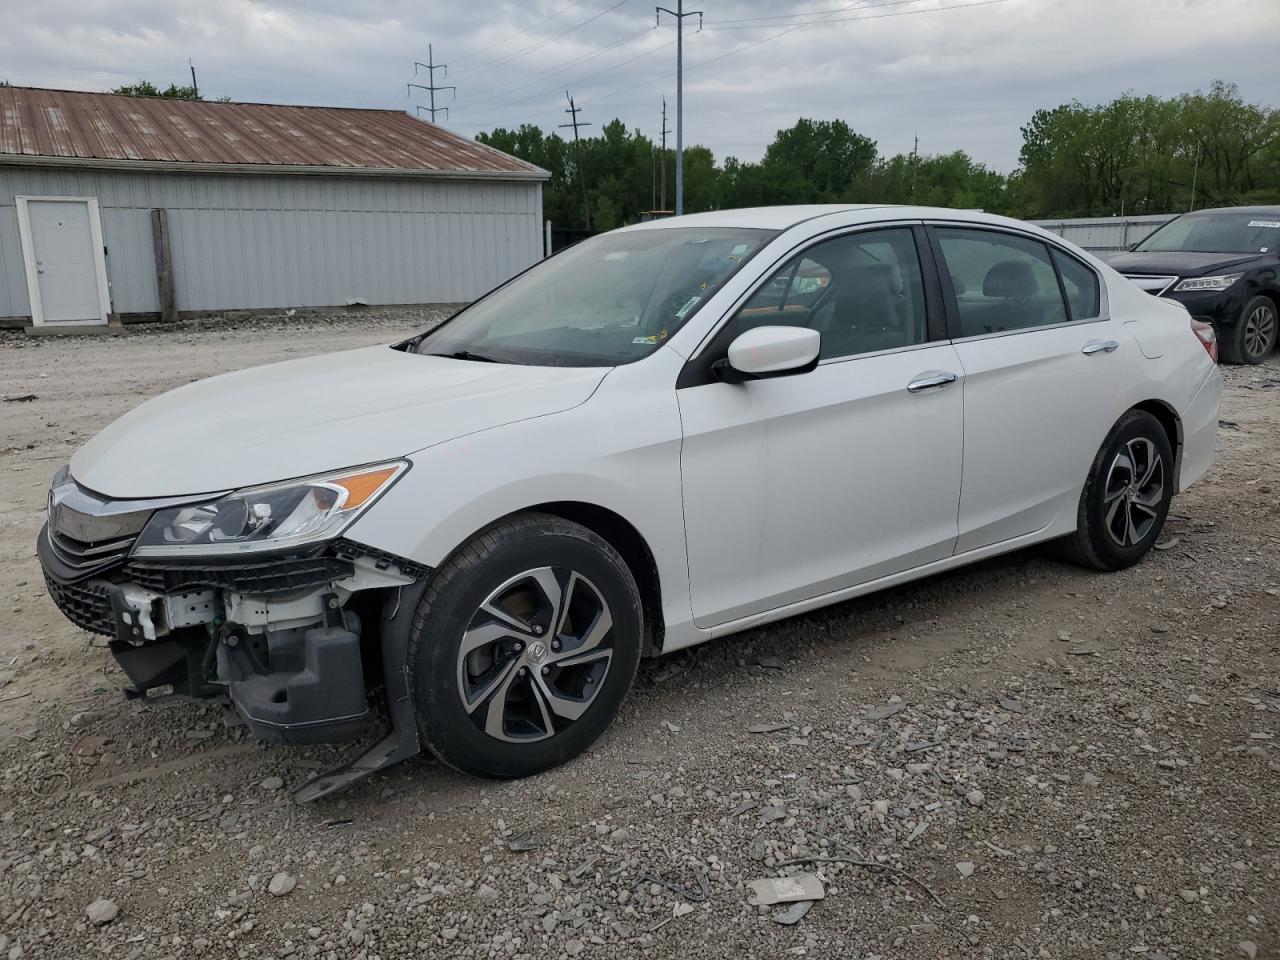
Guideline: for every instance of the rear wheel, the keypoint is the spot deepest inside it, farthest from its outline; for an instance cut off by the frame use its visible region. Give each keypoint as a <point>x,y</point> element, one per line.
<point>524,647</point>
<point>1255,335</point>
<point>1126,496</point>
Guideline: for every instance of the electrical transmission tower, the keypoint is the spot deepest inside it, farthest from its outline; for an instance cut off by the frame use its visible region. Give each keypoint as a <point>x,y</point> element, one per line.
<point>573,111</point>
<point>430,86</point>
<point>679,13</point>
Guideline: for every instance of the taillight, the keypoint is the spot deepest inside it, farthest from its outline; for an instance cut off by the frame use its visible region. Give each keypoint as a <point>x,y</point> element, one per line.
<point>1208,339</point>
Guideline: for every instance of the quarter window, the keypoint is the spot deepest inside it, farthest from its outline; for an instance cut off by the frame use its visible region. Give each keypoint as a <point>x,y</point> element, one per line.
<point>863,292</point>
<point>1080,285</point>
<point>1001,282</point>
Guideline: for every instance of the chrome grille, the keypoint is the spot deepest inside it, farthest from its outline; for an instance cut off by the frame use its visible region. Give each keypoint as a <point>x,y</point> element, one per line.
<point>86,556</point>
<point>1157,286</point>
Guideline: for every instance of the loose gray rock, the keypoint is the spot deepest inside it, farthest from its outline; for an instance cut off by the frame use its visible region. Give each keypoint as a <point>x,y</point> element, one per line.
<point>885,711</point>
<point>102,911</point>
<point>976,797</point>
<point>282,885</point>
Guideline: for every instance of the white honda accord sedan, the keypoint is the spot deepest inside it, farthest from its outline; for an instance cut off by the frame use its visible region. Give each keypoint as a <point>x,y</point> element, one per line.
<point>663,435</point>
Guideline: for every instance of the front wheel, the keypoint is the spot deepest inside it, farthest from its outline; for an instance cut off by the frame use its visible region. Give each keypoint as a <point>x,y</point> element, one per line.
<point>524,647</point>
<point>1254,336</point>
<point>1126,496</point>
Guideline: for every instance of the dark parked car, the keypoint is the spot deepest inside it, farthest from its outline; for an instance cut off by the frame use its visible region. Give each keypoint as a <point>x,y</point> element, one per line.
<point>1224,267</point>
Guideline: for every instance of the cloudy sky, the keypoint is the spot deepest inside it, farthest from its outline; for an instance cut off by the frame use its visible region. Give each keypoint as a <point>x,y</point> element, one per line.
<point>962,74</point>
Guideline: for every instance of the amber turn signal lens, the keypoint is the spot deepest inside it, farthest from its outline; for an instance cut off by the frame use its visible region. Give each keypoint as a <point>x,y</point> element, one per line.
<point>361,486</point>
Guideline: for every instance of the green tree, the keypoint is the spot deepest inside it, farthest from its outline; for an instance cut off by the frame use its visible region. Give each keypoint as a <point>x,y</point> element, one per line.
<point>1145,154</point>
<point>826,154</point>
<point>145,88</point>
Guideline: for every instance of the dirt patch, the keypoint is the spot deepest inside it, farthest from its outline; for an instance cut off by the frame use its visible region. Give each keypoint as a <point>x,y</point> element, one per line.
<point>1076,765</point>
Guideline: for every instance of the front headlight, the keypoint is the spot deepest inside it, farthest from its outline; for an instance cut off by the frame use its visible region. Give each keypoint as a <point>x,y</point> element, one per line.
<point>1207,283</point>
<point>273,517</point>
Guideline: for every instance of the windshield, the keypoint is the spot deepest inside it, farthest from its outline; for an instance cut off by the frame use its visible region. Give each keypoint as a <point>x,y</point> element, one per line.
<point>1216,233</point>
<point>607,301</point>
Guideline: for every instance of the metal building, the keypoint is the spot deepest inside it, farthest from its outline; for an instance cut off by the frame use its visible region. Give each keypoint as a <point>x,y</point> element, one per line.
<point>140,207</point>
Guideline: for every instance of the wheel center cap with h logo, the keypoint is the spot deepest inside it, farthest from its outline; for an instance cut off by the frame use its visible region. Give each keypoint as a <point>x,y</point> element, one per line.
<point>536,651</point>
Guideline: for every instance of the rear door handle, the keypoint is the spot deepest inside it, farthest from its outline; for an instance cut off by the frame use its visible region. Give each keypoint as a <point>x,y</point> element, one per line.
<point>928,381</point>
<point>1100,346</point>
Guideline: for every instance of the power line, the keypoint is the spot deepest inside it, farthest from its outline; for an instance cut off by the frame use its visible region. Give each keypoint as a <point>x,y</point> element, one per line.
<point>520,33</point>
<point>610,69</point>
<point>642,84</point>
<point>755,43</point>
<point>828,17</point>
<point>542,43</point>
<point>780,16</point>
<point>430,86</point>
<point>497,93</point>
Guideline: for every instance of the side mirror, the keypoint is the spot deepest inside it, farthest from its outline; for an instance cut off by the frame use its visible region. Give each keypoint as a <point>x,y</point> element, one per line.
<point>769,352</point>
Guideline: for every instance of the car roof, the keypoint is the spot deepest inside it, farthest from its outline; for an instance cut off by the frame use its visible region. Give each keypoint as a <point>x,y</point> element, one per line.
<point>1271,210</point>
<point>785,217</point>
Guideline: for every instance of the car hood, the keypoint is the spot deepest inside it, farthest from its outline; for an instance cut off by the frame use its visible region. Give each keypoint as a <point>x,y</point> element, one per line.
<point>310,416</point>
<point>1176,264</point>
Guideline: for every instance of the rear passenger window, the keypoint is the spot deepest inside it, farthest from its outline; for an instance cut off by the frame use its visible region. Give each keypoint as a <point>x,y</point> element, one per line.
<point>1002,282</point>
<point>863,292</point>
<point>1080,284</point>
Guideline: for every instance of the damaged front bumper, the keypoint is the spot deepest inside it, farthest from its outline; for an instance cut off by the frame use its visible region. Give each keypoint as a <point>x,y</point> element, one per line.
<point>307,646</point>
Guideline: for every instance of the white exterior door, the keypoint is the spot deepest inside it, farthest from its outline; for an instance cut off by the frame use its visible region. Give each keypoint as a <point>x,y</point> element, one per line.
<point>799,486</point>
<point>65,264</point>
<point>1042,365</point>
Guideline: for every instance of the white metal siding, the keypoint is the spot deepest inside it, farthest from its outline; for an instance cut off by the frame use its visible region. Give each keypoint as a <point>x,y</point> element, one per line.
<point>260,242</point>
<point>1105,234</point>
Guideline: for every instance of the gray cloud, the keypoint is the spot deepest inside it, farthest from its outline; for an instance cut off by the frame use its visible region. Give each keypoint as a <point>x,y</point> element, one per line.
<point>960,79</point>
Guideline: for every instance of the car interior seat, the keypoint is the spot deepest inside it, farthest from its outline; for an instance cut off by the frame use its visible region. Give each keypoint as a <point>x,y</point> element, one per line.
<point>869,311</point>
<point>1012,284</point>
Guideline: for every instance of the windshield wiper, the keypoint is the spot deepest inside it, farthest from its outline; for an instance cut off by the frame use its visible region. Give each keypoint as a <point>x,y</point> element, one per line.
<point>467,355</point>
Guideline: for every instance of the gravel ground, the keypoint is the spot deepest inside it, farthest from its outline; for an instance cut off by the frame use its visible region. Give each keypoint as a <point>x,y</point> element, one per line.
<point>1021,759</point>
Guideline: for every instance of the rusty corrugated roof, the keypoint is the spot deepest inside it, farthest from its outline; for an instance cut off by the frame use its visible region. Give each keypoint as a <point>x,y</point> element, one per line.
<point>73,127</point>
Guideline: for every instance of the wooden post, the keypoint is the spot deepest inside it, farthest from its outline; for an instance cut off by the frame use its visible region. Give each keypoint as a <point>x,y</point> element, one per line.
<point>164,265</point>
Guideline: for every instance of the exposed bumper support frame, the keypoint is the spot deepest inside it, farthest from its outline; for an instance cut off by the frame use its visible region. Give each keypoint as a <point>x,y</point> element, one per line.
<point>402,741</point>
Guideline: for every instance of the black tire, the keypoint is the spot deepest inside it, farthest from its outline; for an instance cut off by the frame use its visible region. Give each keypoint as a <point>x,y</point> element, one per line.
<point>1254,335</point>
<point>1136,517</point>
<point>441,678</point>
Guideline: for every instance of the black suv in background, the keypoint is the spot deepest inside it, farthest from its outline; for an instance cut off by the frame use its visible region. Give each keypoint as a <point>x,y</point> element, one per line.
<point>1224,267</point>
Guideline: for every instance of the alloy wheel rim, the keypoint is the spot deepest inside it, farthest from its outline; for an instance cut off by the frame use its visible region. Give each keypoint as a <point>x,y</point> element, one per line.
<point>535,655</point>
<point>1133,493</point>
<point>1260,330</point>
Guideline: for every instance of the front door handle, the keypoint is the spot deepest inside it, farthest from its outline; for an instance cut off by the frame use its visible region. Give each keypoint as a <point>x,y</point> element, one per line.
<point>928,381</point>
<point>1100,346</point>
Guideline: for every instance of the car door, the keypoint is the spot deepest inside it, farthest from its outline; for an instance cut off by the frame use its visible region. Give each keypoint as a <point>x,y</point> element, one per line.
<point>798,486</point>
<point>1042,366</point>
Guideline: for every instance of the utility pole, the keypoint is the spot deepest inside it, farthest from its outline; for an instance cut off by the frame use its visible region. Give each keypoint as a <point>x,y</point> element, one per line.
<point>430,86</point>
<point>1195,174</point>
<point>915,163</point>
<point>195,87</point>
<point>574,122</point>
<point>679,13</point>
<point>665,131</point>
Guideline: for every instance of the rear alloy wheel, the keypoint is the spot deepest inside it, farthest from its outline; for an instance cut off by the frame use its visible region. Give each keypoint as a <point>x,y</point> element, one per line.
<point>524,647</point>
<point>1126,496</point>
<point>1254,337</point>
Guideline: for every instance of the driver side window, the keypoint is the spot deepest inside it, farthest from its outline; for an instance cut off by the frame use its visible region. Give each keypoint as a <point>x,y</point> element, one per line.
<point>862,292</point>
